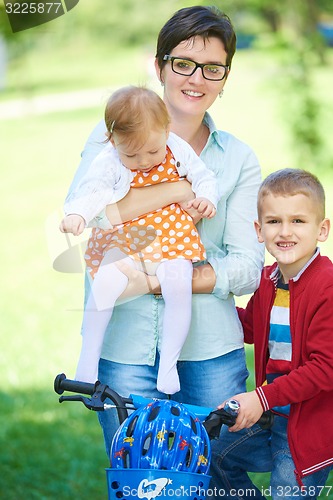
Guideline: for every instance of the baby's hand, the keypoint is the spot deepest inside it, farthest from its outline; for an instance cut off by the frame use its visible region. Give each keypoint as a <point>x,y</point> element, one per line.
<point>72,223</point>
<point>203,206</point>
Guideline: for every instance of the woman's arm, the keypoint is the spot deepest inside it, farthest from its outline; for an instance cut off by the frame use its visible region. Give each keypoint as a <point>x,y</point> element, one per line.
<point>204,279</point>
<point>140,283</point>
<point>238,266</point>
<point>140,201</point>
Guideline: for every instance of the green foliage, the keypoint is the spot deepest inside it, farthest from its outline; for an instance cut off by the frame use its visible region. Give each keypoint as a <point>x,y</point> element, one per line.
<point>109,29</point>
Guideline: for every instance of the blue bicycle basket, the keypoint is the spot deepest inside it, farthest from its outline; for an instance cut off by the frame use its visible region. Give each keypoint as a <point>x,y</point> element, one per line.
<point>163,435</point>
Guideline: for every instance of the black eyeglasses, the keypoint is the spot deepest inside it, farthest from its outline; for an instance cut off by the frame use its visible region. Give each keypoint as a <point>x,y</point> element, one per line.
<point>186,67</point>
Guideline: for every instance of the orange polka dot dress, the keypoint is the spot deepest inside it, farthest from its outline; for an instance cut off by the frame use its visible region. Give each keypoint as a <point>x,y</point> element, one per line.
<point>168,233</point>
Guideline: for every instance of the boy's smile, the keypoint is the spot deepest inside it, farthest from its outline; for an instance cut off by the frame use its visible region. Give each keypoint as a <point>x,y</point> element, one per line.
<point>290,227</point>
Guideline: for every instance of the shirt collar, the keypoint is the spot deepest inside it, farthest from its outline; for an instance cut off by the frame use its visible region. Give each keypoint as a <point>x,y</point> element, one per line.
<point>276,273</point>
<point>214,133</point>
<point>297,277</point>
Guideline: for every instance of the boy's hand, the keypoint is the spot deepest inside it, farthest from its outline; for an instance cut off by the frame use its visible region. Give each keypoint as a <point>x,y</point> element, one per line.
<point>72,223</point>
<point>203,206</point>
<point>249,412</point>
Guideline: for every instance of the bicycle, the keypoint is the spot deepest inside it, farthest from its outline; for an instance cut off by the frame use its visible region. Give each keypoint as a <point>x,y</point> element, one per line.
<point>174,454</point>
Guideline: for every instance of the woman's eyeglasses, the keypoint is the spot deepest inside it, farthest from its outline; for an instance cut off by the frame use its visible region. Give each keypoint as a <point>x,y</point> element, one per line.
<point>186,67</point>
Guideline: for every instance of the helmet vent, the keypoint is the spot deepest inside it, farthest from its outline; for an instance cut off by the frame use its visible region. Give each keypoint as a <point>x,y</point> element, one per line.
<point>154,412</point>
<point>171,439</point>
<point>175,411</point>
<point>189,455</point>
<point>193,426</point>
<point>126,460</point>
<point>146,445</point>
<point>131,427</point>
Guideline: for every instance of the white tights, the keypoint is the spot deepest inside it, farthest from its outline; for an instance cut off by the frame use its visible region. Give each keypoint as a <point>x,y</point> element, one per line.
<point>175,277</point>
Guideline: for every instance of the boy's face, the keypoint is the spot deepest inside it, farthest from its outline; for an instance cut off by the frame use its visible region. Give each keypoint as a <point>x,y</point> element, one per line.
<point>290,228</point>
<point>145,158</point>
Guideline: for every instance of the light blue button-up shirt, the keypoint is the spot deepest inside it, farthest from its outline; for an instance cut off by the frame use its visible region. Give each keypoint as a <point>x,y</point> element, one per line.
<point>232,250</point>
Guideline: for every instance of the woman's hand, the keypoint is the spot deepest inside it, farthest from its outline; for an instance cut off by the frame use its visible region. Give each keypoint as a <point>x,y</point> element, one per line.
<point>139,283</point>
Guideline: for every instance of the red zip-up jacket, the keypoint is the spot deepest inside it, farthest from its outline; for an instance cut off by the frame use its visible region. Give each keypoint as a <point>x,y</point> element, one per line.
<point>309,385</point>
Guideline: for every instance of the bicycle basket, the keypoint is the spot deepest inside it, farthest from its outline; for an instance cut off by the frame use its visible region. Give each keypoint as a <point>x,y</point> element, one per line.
<point>154,483</point>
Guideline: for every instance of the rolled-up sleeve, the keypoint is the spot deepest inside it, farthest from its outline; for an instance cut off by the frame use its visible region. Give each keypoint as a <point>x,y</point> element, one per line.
<point>237,258</point>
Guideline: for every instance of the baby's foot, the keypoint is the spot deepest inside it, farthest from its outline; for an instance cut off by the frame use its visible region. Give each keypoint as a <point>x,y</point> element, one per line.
<point>168,382</point>
<point>84,375</point>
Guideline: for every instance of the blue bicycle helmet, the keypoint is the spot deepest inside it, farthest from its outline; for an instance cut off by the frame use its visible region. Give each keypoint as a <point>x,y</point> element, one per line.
<point>163,435</point>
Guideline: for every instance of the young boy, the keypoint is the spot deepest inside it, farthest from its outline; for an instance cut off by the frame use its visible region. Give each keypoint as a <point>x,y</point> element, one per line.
<point>289,321</point>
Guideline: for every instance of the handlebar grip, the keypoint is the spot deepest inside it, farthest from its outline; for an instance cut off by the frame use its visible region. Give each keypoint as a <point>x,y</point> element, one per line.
<point>61,384</point>
<point>99,393</point>
<point>266,420</point>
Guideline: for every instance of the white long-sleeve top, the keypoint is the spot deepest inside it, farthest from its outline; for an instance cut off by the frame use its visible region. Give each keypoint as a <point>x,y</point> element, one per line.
<point>108,180</point>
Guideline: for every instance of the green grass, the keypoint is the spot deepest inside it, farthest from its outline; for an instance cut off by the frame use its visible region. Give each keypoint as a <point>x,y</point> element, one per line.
<point>50,451</point>
<point>74,67</point>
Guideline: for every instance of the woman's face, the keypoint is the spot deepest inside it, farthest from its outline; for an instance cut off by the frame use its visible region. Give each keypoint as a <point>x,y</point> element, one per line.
<point>193,95</point>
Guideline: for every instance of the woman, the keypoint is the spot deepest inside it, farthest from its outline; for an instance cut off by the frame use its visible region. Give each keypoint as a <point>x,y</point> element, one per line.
<point>194,54</point>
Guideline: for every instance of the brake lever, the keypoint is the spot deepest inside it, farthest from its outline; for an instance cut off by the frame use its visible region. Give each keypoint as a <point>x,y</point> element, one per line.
<point>88,403</point>
<point>95,403</point>
<point>215,420</point>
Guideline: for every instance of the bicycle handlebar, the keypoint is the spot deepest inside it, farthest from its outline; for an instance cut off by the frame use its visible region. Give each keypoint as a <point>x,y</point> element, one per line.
<point>62,384</point>
<point>212,419</point>
<point>99,393</point>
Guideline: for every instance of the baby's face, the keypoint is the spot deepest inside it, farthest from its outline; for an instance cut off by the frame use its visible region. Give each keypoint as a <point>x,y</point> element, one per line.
<point>150,154</point>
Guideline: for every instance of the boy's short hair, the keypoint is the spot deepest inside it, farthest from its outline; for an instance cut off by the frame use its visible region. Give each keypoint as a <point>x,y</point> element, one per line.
<point>133,112</point>
<point>292,181</point>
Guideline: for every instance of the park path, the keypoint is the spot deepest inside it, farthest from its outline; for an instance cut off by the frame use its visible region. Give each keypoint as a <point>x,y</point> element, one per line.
<point>38,105</point>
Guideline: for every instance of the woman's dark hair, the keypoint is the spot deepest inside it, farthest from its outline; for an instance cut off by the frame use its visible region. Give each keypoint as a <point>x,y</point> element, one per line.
<point>195,21</point>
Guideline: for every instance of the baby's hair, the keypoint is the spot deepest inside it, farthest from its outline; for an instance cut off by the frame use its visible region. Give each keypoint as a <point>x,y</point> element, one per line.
<point>292,181</point>
<point>133,112</point>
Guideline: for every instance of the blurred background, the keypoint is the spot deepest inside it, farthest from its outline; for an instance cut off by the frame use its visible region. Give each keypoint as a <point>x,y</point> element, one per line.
<point>54,82</point>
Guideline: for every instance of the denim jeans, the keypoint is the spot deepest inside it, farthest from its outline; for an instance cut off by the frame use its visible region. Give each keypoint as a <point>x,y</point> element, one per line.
<point>203,383</point>
<point>255,450</point>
